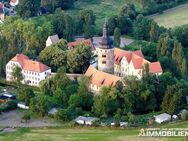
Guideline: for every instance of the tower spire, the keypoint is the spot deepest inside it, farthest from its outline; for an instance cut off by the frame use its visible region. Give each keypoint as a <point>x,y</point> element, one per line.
<point>106,41</point>
<point>105,28</point>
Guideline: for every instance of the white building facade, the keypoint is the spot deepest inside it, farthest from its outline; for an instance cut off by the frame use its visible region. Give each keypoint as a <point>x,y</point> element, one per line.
<point>132,63</point>
<point>33,71</point>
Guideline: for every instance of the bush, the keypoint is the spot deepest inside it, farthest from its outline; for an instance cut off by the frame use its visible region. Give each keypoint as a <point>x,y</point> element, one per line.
<point>11,104</point>
<point>62,115</point>
<point>26,117</point>
<point>184,116</point>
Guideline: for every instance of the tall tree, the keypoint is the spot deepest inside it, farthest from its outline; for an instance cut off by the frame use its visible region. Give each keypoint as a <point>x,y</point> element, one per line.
<point>25,94</point>
<point>142,27</point>
<point>17,75</point>
<point>63,25</point>
<point>165,45</point>
<point>28,8</point>
<point>172,99</point>
<point>117,37</point>
<point>40,104</point>
<point>154,32</point>
<point>85,22</point>
<point>128,10</point>
<point>184,69</point>
<point>179,58</point>
<point>88,31</point>
<point>181,34</point>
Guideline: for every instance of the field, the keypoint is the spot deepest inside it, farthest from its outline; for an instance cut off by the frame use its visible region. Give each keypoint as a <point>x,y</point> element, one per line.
<point>86,134</point>
<point>173,17</point>
<point>101,8</point>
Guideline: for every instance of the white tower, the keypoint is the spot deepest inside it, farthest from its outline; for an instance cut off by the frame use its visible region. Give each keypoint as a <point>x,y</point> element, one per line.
<point>106,52</point>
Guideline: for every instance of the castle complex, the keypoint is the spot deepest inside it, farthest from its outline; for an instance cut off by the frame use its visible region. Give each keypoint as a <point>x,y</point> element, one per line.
<point>115,63</point>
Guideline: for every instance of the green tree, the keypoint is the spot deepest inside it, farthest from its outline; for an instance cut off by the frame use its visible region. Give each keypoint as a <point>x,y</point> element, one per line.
<point>53,4</point>
<point>143,4</point>
<point>85,23</point>
<point>165,45</point>
<point>172,99</point>
<point>117,37</point>
<point>106,103</point>
<point>25,94</point>
<point>154,32</point>
<point>124,23</point>
<point>184,69</point>
<point>79,58</point>
<point>179,58</point>
<point>88,31</point>
<point>63,25</point>
<point>40,104</point>
<point>181,34</point>
<point>112,24</point>
<point>131,117</point>
<point>3,56</point>
<point>62,115</point>
<point>17,75</point>
<point>128,10</point>
<point>142,28</point>
<point>54,56</point>
<point>28,8</point>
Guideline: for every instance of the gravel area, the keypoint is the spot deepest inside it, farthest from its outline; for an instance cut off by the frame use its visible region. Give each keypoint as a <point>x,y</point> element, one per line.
<point>13,119</point>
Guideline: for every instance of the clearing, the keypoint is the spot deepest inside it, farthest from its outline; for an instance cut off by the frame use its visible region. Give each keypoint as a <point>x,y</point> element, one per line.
<point>172,17</point>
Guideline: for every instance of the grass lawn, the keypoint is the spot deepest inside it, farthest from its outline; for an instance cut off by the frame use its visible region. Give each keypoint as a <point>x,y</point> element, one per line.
<point>85,134</point>
<point>101,8</point>
<point>173,17</point>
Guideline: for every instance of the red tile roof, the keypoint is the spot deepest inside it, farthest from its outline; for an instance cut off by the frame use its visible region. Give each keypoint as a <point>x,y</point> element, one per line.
<point>14,1</point>
<point>29,65</point>
<point>119,54</point>
<point>138,63</point>
<point>137,58</point>
<point>87,41</point>
<point>155,67</point>
<point>100,78</point>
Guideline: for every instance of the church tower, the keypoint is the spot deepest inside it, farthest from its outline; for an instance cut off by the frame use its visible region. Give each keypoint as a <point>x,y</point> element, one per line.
<point>106,52</point>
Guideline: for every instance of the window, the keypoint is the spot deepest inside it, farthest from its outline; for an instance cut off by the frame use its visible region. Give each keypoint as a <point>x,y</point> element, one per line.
<point>104,56</point>
<point>103,62</point>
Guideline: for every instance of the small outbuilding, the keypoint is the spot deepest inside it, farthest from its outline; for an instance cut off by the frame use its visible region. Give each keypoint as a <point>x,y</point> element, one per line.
<point>162,118</point>
<point>52,111</point>
<point>85,120</point>
<point>123,124</point>
<point>52,40</point>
